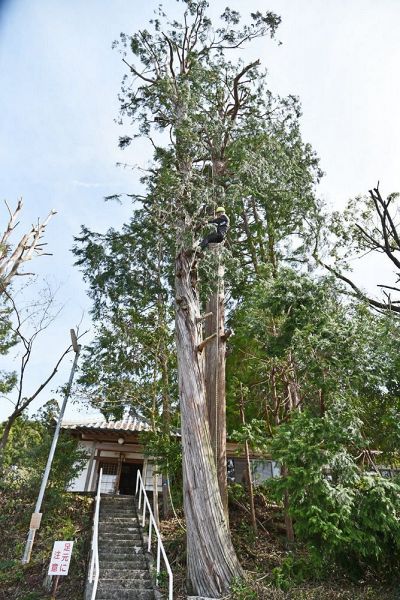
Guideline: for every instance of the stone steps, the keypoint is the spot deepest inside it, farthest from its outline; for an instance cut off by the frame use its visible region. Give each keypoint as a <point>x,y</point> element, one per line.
<point>107,527</point>
<point>124,572</point>
<point>120,535</point>
<point>125,595</point>
<point>125,585</point>
<point>129,543</point>
<point>108,574</point>
<point>117,518</point>
<point>120,557</point>
<point>129,565</point>
<point>120,552</point>
<point>109,510</point>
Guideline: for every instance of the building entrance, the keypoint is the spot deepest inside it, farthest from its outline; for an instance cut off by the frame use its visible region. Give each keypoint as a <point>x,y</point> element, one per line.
<point>127,481</point>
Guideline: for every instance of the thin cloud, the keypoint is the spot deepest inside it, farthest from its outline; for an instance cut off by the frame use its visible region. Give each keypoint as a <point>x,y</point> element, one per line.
<point>90,184</point>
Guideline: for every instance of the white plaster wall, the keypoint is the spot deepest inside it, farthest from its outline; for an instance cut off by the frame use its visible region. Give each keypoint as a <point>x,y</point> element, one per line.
<point>78,484</point>
<point>276,469</point>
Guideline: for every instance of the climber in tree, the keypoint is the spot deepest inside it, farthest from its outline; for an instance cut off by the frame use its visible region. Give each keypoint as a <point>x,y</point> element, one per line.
<point>222,222</point>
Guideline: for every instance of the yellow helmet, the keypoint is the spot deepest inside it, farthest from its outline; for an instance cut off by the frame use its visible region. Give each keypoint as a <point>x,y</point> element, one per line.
<point>220,209</point>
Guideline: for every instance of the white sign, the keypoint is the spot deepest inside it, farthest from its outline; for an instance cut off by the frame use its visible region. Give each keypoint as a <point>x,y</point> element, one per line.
<point>60,557</point>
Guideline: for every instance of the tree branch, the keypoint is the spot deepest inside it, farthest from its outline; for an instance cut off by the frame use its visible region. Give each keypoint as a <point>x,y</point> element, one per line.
<point>203,344</point>
<point>358,292</point>
<point>139,74</point>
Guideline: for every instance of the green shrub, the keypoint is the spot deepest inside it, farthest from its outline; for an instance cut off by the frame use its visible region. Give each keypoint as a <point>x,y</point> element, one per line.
<point>241,590</point>
<point>349,516</point>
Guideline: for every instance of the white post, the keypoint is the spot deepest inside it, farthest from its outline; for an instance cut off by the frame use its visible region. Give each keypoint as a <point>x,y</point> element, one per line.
<point>32,531</point>
<point>158,556</point>
<point>149,541</point>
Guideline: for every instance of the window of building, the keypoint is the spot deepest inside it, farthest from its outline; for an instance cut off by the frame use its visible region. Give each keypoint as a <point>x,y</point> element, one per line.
<point>109,477</point>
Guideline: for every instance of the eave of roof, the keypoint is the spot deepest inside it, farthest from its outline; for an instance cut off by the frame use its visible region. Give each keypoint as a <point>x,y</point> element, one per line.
<point>127,424</point>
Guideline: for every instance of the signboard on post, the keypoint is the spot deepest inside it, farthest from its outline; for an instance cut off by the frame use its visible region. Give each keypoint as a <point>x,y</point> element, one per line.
<point>60,558</point>
<point>35,520</point>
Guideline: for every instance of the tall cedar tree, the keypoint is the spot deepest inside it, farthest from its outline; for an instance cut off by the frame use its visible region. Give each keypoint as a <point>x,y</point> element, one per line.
<point>231,142</point>
<point>182,80</point>
<point>180,69</point>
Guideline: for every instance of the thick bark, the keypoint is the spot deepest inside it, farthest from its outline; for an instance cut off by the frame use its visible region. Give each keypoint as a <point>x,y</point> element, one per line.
<point>215,351</point>
<point>211,560</point>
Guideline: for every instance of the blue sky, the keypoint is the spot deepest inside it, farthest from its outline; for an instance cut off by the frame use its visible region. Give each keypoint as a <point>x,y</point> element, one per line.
<point>58,101</point>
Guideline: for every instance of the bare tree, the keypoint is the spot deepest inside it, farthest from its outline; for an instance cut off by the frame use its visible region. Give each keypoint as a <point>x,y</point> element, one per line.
<point>371,224</point>
<point>43,315</point>
<point>29,245</point>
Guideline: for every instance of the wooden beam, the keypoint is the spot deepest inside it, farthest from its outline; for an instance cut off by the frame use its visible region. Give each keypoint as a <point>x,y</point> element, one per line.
<point>203,317</point>
<point>203,344</point>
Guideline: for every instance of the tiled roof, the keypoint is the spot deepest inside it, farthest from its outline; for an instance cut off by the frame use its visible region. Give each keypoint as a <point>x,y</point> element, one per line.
<point>127,424</point>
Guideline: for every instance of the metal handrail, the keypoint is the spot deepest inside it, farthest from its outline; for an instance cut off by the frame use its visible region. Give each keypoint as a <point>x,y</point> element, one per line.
<point>153,525</point>
<point>94,569</point>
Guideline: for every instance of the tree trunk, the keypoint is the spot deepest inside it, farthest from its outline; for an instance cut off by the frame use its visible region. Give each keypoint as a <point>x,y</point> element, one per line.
<point>248,469</point>
<point>166,428</point>
<point>155,496</point>
<point>6,433</point>
<point>288,518</point>
<point>211,560</point>
<point>215,379</point>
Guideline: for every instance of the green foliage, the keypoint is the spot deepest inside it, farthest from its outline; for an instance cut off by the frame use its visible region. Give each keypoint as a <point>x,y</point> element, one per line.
<point>297,344</point>
<point>26,455</point>
<point>8,339</point>
<point>65,515</point>
<point>251,156</point>
<point>297,569</point>
<point>349,515</point>
<point>130,363</point>
<point>166,450</point>
<point>241,590</point>
<point>294,334</point>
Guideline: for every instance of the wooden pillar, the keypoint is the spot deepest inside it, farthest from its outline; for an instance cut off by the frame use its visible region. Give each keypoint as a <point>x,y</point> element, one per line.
<point>90,467</point>
<point>117,479</point>
<point>93,484</point>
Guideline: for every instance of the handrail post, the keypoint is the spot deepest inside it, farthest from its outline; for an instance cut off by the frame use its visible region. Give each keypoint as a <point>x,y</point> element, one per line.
<point>94,561</point>
<point>153,524</point>
<point>149,540</point>
<point>158,555</point>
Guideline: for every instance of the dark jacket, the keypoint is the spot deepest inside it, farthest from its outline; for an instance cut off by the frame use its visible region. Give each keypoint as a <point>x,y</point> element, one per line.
<point>222,223</point>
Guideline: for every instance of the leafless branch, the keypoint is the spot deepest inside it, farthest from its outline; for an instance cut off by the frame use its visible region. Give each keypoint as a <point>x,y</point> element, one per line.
<point>358,292</point>
<point>29,244</point>
<point>140,75</point>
